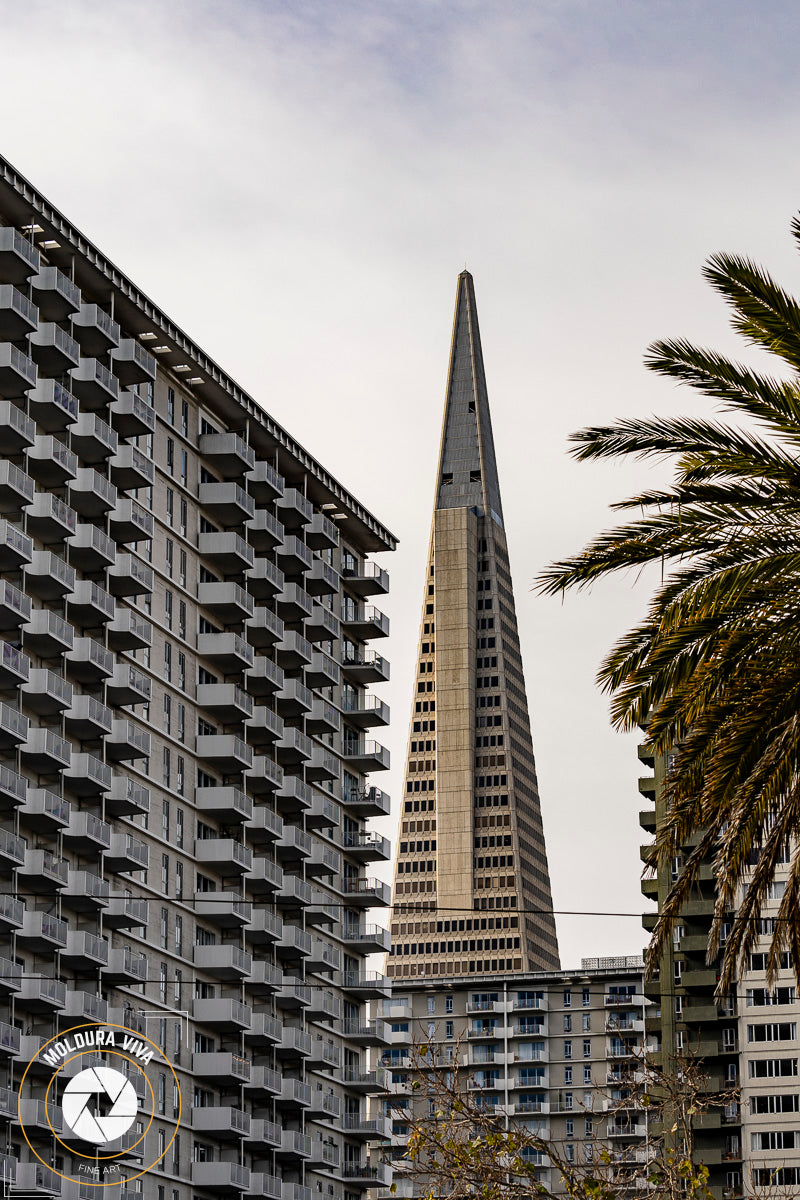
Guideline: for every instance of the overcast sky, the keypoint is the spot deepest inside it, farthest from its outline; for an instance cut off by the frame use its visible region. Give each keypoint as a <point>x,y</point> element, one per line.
<point>298,186</point>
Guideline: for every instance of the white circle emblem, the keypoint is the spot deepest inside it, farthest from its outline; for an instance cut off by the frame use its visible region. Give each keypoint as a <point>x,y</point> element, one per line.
<point>99,1105</point>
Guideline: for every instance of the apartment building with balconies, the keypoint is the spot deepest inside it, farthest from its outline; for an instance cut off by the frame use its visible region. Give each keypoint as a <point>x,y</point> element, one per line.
<point>188,620</point>
<point>554,1052</point>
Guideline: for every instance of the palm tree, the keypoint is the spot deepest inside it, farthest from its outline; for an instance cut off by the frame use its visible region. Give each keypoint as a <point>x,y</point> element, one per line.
<point>713,671</point>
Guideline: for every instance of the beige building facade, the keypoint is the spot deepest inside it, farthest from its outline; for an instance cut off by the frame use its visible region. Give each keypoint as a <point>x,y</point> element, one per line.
<point>472,887</point>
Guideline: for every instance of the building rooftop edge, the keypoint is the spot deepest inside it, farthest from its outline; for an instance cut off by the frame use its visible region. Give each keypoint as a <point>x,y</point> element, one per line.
<point>219,381</point>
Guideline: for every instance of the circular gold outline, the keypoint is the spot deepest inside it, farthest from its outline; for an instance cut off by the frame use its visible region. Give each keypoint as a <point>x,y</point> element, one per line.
<point>57,1038</point>
<point>100,1157</point>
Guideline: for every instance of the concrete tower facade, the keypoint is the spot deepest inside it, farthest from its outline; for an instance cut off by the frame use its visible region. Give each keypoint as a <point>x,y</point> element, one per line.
<point>472,887</point>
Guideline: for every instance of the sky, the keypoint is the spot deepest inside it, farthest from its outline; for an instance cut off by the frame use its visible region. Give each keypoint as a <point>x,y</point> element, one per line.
<point>298,185</point>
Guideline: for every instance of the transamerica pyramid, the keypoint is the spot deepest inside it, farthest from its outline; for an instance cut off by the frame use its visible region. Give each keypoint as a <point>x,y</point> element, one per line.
<point>472,886</point>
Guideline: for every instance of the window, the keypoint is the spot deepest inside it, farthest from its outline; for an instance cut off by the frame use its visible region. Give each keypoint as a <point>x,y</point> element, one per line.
<point>167,769</point>
<point>184,467</point>
<point>586,1022</point>
<point>168,716</point>
<point>178,881</point>
<point>181,722</point>
<point>165,874</point>
<point>179,782</point>
<point>181,670</point>
<point>587,1048</point>
<point>179,934</point>
<point>567,999</point>
<point>162,1095</point>
<point>171,405</point>
<point>567,1022</point>
<point>179,828</point>
<point>448,1004</point>
<point>587,1074</point>
<point>171,455</point>
<point>164,927</point>
<point>182,619</point>
<point>568,1049</point>
<point>448,1029</point>
<point>568,1076</point>
<point>169,551</point>
<point>185,418</point>
<point>170,506</point>
<point>431,1005</point>
<point>167,662</point>
<point>178,988</point>
<point>586,997</point>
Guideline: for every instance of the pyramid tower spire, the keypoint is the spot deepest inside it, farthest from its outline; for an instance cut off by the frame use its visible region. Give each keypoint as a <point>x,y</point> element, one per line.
<point>472,886</point>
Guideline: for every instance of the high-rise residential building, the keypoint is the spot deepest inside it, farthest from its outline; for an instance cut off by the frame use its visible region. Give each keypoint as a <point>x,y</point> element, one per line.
<point>554,1052</point>
<point>745,1042</point>
<point>187,617</point>
<point>472,887</point>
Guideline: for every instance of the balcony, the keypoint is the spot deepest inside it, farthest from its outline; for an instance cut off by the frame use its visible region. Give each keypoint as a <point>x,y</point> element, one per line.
<point>53,350</point>
<point>93,438</point>
<point>90,605</point>
<point>295,844</point>
<point>131,416</point>
<point>323,765</point>
<point>367,939</point>
<point>295,1146</point>
<point>223,962</point>
<point>324,860</point>
<point>369,985</point>
<point>15,607</point>
<point>128,685</point>
<point>294,747</point>
<point>86,1006</point>
<point>89,662</point>
<point>265,777</point>
<point>91,549</point>
<point>265,876</point>
<point>85,951</point>
<point>324,1055</point>
<point>324,1005</point>
<point>323,672</point>
<point>44,810</point>
<point>294,557</point>
<point>227,701</point>
<point>10,977</point>
<point>223,1123</point>
<point>127,853</point>
<point>294,1094</point>
<point>366,579</point>
<point>130,522</point>
<point>365,1174</point>
<point>87,834</point>
<point>228,453</point>
<point>366,846</point>
<point>366,667</point>
<point>228,1016</point>
<point>48,576</point>
<point>357,1125</point>
<point>55,294</point>
<point>264,531</point>
<point>43,932</point>
<point>40,869</point>
<point>52,405</point>
<point>15,548</point>
<point>365,711</point>
<point>293,651</point>
<point>45,752</point>
<point>95,329</point>
<point>12,913</point>
<point>323,718</point>
<point>19,258</point>
<point>125,912</point>
<point>265,978</point>
<point>50,519</point>
<point>226,910</point>
<point>229,804</point>
<point>93,384</point>
<point>129,576</point>
<point>14,666</point>
<point>19,431</point>
<point>321,533</point>
<point>322,625</point>
<point>367,802</point>
<point>264,1030</point>
<point>264,677</point>
<point>228,1068</point>
<point>42,994</point>
<point>226,600</point>
<point>227,550</point>
<point>131,469</point>
<point>265,579</point>
<point>127,798</point>
<point>294,795</point>
<point>129,631</point>
<point>225,855</point>
<point>87,775</point>
<point>265,928</point>
<point>322,579</point>
<point>323,957</point>
<point>295,944</point>
<point>131,363</point>
<point>226,752</point>
<point>220,1176</point>
<point>368,892</point>
<point>16,488</point>
<point>264,726</point>
<point>265,629</point>
<point>227,503</point>
<point>264,482</point>
<point>366,755</point>
<point>85,892</point>
<point>17,372</point>
<point>127,742</point>
<point>263,826</point>
<point>125,966</point>
<point>91,494</point>
<point>50,462</point>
